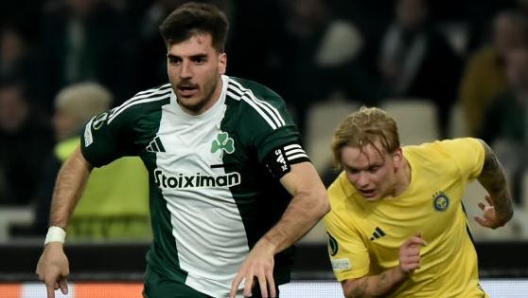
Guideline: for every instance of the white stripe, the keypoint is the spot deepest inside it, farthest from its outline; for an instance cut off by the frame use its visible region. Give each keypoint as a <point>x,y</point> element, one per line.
<point>234,96</point>
<point>137,103</point>
<point>137,97</point>
<point>295,151</point>
<point>296,156</point>
<point>233,88</point>
<point>152,90</point>
<point>144,94</point>
<point>88,137</point>
<point>262,112</point>
<point>265,116</point>
<point>292,146</point>
<point>263,104</point>
<point>274,113</point>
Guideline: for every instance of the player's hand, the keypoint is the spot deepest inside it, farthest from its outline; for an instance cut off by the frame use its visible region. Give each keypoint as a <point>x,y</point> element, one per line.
<point>256,270</point>
<point>53,268</point>
<point>489,217</point>
<point>409,255</point>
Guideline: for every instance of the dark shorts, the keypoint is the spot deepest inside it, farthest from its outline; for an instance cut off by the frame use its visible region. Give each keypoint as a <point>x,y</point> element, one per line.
<point>158,287</point>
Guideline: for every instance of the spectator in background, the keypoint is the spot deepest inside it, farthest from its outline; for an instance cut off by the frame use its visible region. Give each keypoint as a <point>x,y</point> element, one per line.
<point>25,139</point>
<point>484,76</point>
<point>251,25</point>
<point>319,58</point>
<point>110,208</point>
<point>84,40</point>
<point>479,15</point>
<point>152,71</point>
<point>16,60</point>
<point>417,61</point>
<point>522,6</point>
<point>505,124</point>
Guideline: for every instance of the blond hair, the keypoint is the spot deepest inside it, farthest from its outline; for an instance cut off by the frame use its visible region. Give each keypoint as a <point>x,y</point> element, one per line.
<point>84,100</point>
<point>364,127</point>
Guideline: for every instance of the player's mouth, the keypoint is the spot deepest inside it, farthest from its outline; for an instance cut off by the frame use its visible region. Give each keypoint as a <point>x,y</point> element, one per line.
<point>368,193</point>
<point>187,90</point>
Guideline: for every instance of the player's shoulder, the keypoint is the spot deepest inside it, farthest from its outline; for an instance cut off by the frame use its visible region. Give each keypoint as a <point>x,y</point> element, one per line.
<point>444,146</point>
<point>340,190</point>
<point>442,152</point>
<point>343,204</point>
<point>256,104</point>
<point>142,103</point>
<point>245,90</point>
<point>336,187</point>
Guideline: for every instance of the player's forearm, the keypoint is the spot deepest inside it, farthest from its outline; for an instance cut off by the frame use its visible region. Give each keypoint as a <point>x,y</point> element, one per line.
<point>302,214</point>
<point>68,188</point>
<point>375,285</point>
<point>494,181</point>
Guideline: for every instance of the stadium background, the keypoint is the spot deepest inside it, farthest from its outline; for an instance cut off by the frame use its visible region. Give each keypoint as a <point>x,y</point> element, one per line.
<point>115,269</point>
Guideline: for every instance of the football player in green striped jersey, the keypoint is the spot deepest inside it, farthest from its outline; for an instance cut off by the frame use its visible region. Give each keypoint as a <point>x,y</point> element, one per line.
<point>231,187</point>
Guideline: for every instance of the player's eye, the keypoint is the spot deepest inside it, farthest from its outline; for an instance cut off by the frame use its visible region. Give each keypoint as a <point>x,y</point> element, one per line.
<point>199,60</point>
<point>353,171</point>
<point>174,60</point>
<point>373,169</point>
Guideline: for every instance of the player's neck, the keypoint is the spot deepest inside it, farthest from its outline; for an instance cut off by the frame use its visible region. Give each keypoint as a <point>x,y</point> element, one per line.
<point>403,178</point>
<point>218,91</point>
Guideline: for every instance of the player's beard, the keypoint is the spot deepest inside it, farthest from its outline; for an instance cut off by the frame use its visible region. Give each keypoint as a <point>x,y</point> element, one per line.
<point>208,92</point>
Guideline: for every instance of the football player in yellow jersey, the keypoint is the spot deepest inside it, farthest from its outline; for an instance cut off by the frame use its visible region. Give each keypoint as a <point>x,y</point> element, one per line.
<point>397,227</point>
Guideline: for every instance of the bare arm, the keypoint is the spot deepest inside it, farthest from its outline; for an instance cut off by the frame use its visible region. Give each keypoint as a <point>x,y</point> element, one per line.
<point>68,188</point>
<point>391,279</point>
<point>493,180</point>
<point>374,285</point>
<point>53,265</point>
<point>308,206</point>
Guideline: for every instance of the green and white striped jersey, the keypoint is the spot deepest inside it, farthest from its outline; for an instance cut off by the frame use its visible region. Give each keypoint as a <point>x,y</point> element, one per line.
<point>214,178</point>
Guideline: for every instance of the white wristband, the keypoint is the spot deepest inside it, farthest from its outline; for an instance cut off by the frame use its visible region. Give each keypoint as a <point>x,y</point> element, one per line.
<point>55,234</point>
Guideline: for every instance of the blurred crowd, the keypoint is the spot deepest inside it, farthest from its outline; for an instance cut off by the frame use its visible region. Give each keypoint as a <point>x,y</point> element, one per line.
<point>472,54</point>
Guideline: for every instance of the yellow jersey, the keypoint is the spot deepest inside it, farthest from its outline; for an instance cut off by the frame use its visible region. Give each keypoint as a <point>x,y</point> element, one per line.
<point>115,202</point>
<point>365,236</point>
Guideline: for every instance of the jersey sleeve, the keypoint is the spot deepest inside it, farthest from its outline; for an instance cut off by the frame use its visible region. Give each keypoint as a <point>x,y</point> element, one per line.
<point>107,137</point>
<point>348,254</point>
<point>268,127</point>
<point>468,154</point>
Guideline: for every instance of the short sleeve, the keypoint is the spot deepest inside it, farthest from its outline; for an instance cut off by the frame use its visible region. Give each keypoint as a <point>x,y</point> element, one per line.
<point>348,254</point>
<point>266,124</point>
<point>105,138</point>
<point>468,154</point>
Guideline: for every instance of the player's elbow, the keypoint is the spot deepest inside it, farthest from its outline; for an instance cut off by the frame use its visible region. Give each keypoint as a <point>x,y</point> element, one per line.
<point>322,204</point>
<point>316,204</point>
<point>356,288</point>
<point>325,208</point>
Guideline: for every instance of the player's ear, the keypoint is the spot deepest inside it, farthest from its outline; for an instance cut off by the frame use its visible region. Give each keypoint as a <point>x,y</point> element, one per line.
<point>397,157</point>
<point>222,63</point>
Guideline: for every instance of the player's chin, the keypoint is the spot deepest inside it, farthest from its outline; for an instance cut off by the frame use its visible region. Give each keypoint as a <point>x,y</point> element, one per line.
<point>192,103</point>
<point>187,97</point>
